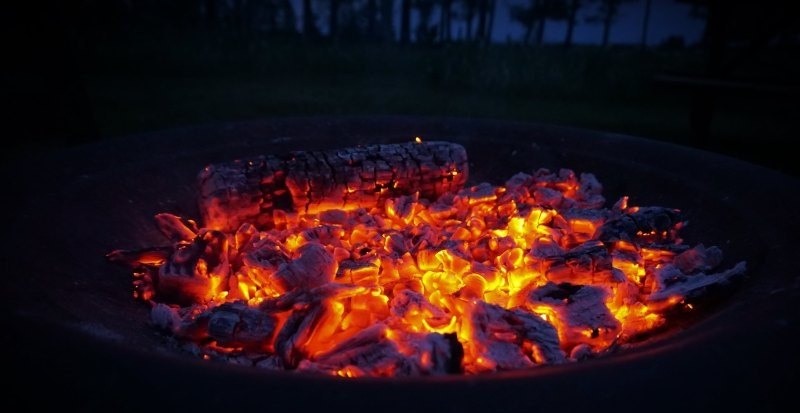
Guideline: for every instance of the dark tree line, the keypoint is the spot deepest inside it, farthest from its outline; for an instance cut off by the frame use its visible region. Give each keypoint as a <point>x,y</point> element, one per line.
<point>534,15</point>
<point>420,21</point>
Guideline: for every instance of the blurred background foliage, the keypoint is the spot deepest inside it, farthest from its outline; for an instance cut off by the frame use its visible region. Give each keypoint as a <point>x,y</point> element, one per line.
<point>101,68</point>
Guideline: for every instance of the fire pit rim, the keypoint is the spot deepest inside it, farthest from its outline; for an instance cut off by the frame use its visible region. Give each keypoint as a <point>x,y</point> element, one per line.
<point>658,345</point>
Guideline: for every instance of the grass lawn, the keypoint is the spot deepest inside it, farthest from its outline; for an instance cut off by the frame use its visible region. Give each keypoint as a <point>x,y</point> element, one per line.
<point>141,83</point>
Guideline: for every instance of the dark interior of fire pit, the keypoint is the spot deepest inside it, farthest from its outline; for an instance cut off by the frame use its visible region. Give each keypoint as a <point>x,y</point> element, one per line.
<point>74,315</point>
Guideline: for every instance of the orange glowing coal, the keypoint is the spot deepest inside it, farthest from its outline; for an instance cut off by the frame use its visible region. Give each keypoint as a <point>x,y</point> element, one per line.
<point>426,281</point>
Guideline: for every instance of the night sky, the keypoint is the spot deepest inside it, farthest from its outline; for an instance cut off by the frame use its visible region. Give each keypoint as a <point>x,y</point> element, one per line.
<point>667,18</point>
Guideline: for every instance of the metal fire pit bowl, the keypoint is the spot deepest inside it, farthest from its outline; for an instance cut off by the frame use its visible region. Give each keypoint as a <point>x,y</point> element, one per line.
<point>77,336</point>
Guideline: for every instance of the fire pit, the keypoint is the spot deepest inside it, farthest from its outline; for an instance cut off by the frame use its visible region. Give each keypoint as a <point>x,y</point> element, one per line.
<point>108,193</point>
<point>379,261</point>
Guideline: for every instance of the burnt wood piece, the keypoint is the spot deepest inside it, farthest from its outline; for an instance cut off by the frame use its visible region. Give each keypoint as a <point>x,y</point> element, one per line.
<point>672,282</point>
<point>587,263</point>
<point>642,224</point>
<point>581,309</point>
<point>251,190</point>
<point>500,336</point>
<point>232,324</point>
<point>370,352</point>
<point>312,267</point>
<point>689,275</point>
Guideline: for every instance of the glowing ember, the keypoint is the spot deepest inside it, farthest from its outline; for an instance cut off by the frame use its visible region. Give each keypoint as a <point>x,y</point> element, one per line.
<point>408,272</point>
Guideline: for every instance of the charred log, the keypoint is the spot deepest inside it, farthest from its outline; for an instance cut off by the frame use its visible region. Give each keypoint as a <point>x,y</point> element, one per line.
<point>251,190</point>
